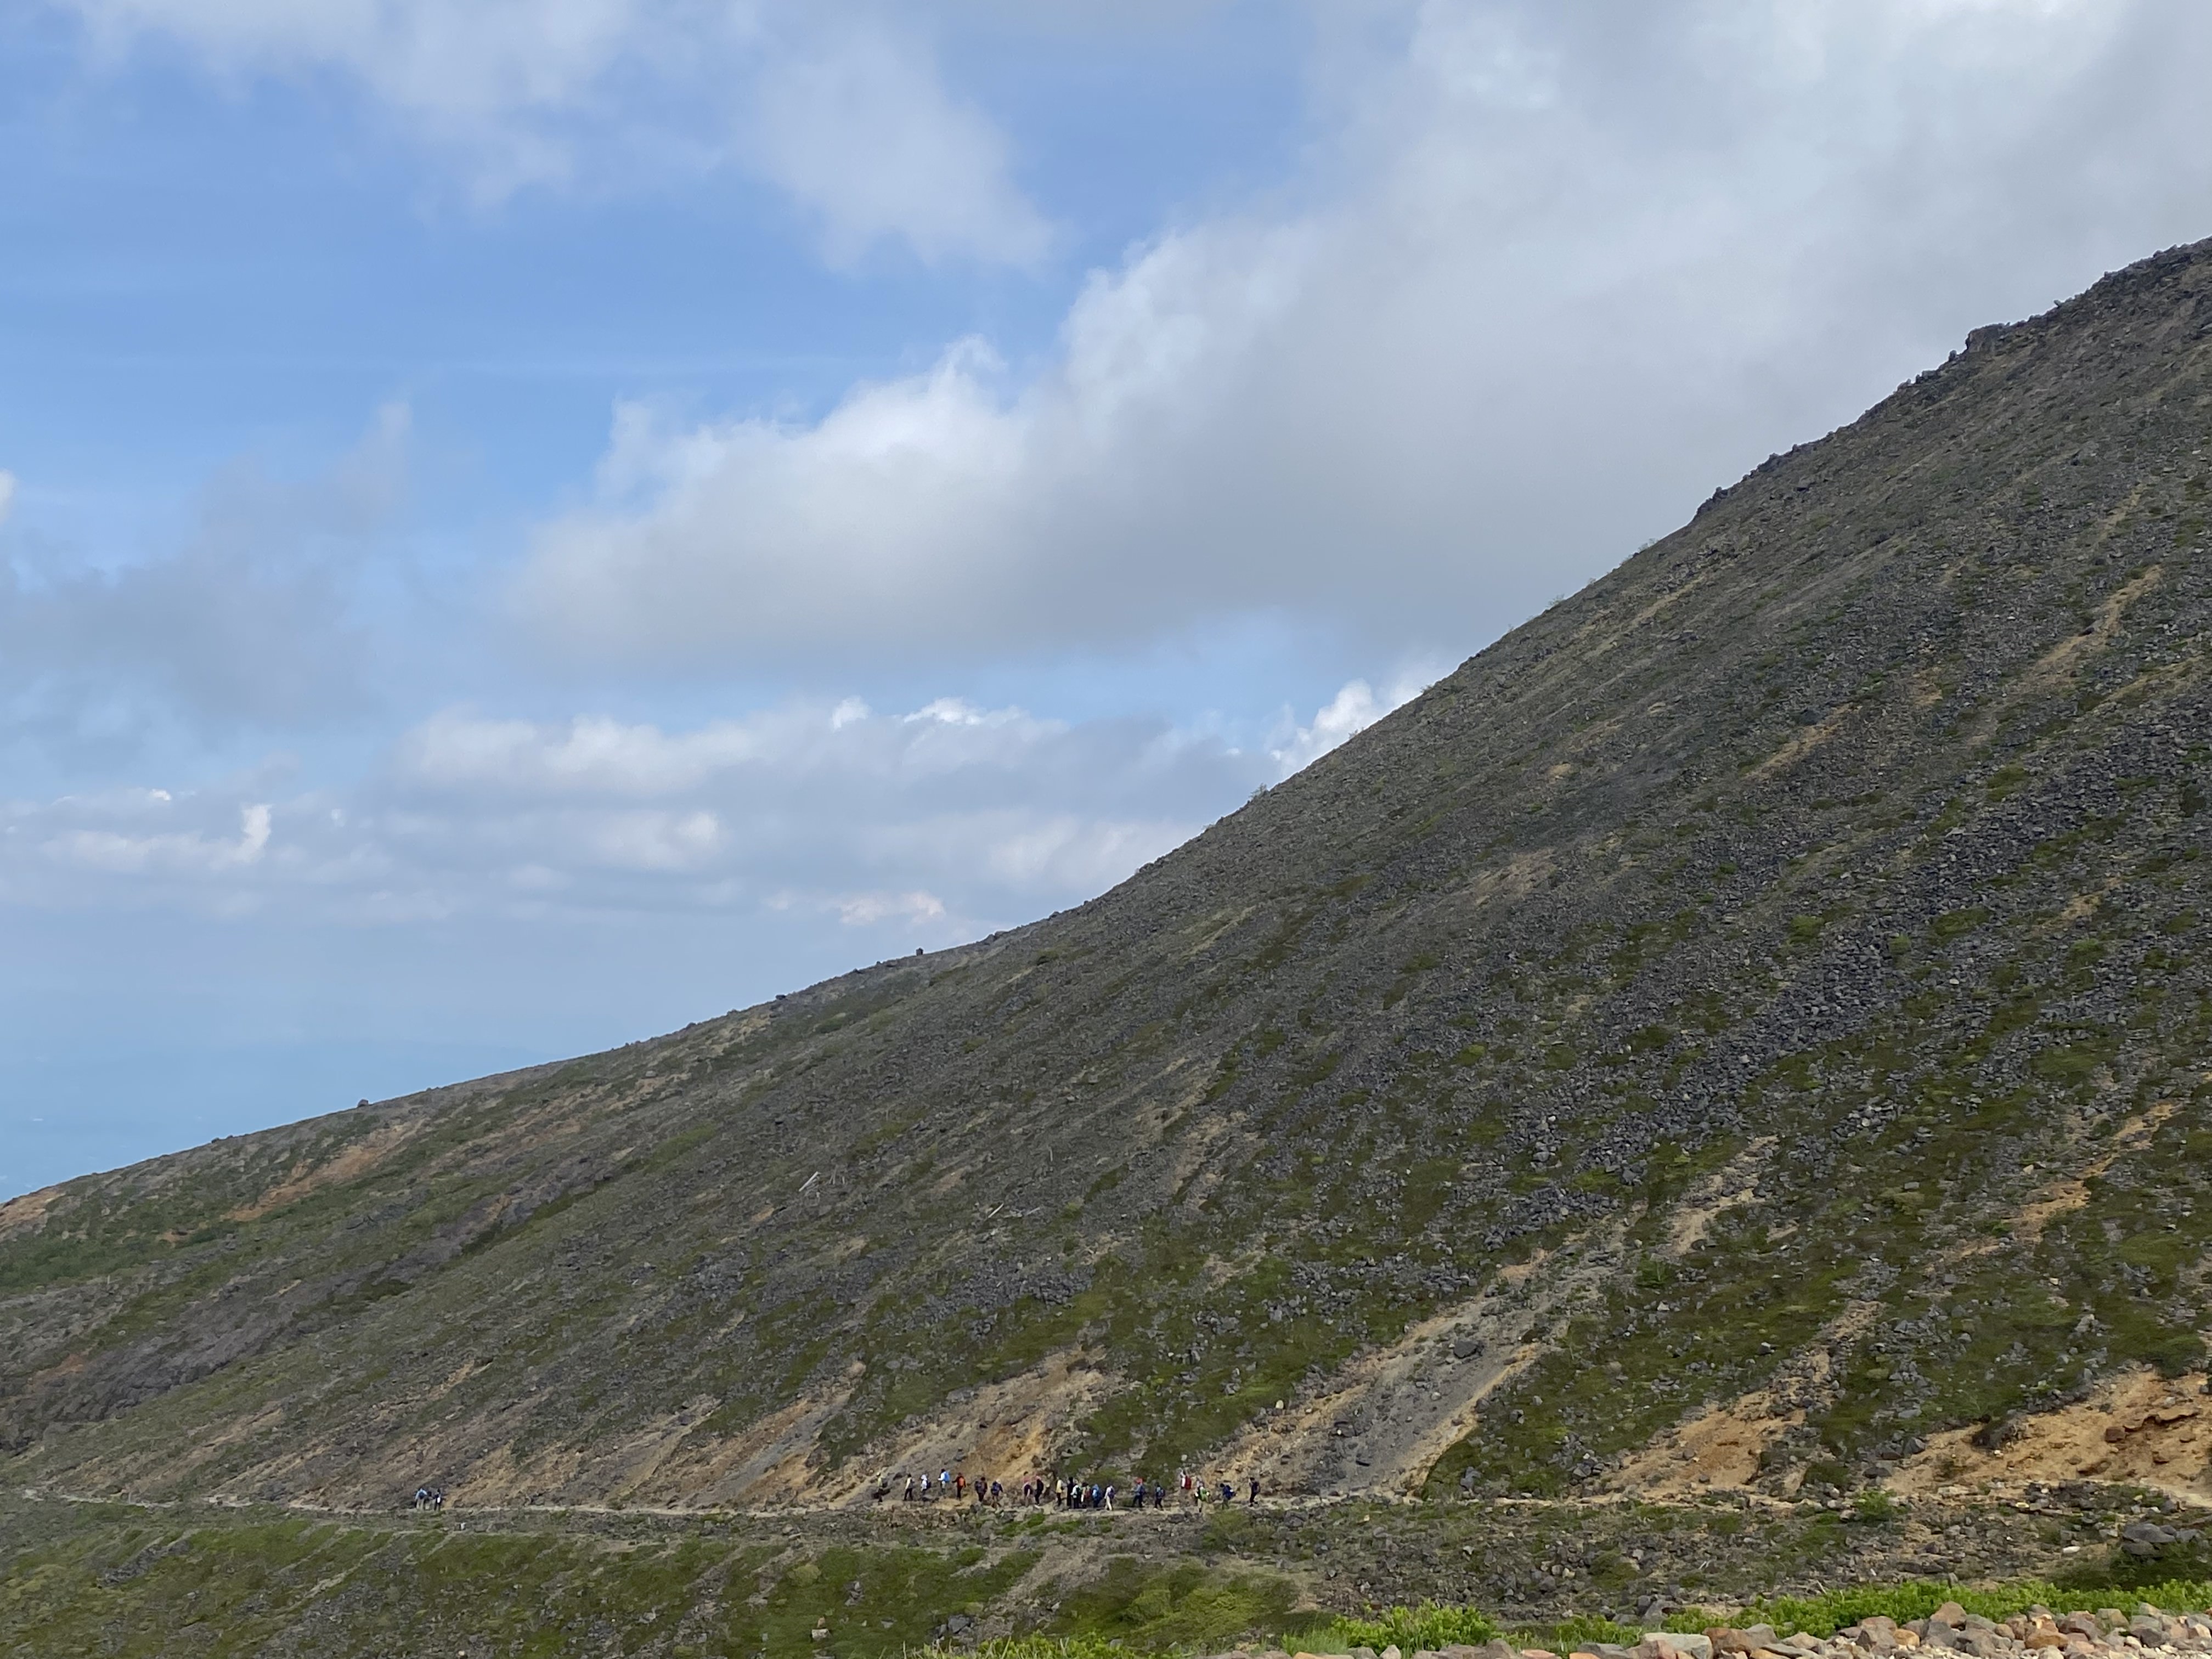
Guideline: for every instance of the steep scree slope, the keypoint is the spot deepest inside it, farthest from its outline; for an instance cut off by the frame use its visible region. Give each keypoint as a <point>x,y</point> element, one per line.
<point>1762,1000</point>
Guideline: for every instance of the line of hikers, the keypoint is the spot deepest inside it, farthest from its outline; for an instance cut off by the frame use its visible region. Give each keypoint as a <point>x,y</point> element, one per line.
<point>1058,1491</point>
<point>429,1498</point>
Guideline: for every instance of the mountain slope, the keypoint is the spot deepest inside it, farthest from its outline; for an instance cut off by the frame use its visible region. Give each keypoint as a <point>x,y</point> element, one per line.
<point>1764,993</point>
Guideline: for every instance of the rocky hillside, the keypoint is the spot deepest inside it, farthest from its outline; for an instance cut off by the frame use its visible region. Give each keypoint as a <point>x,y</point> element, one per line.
<point>1747,1027</point>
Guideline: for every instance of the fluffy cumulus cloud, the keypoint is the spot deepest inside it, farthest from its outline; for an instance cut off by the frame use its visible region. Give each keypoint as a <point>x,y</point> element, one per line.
<point>857,126</point>
<point>1555,272</point>
<point>840,106</point>
<point>142,832</point>
<point>1356,707</point>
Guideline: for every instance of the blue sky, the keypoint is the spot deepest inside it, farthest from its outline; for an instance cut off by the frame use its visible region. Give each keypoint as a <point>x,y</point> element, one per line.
<point>525,524</point>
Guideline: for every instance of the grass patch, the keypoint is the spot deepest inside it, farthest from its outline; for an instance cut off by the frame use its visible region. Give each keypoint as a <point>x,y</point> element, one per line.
<point>1183,1606</point>
<point>1430,1625</point>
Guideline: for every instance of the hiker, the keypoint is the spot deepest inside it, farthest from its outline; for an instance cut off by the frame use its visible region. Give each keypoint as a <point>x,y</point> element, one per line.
<point>959,1486</point>
<point>1252,1495</point>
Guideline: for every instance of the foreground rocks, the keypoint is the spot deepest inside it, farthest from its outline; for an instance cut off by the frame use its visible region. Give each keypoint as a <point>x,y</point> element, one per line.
<point>2109,1632</point>
<point>2106,1634</point>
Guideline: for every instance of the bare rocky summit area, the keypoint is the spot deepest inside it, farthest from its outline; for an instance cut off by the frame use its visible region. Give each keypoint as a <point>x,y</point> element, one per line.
<point>1747,1034</point>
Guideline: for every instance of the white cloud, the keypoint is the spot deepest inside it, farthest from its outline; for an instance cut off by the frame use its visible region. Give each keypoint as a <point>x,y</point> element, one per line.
<point>592,753</point>
<point>1556,273</point>
<point>7,494</point>
<point>652,841</point>
<point>929,824</point>
<point>171,852</point>
<point>859,129</point>
<point>932,823</point>
<point>249,622</point>
<point>1077,855</point>
<point>867,909</point>
<point>832,104</point>
<point>1354,708</point>
<point>459,64</point>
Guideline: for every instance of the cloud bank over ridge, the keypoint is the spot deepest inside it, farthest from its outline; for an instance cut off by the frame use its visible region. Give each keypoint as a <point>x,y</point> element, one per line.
<point>922,826</point>
<point>1555,275</point>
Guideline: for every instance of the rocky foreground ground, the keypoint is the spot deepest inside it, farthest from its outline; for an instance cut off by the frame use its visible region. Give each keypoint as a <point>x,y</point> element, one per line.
<point>2106,1634</point>
<point>90,1577</point>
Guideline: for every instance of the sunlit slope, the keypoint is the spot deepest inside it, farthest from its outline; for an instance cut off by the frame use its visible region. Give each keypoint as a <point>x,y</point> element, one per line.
<point>1770,980</point>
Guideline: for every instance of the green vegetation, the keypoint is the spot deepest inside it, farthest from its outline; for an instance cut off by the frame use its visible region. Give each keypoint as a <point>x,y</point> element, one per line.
<point>229,1587</point>
<point>1826,1615</point>
<point>111,1579</point>
<point>1431,1626</point>
<point>1185,1605</point>
<point>1428,1625</point>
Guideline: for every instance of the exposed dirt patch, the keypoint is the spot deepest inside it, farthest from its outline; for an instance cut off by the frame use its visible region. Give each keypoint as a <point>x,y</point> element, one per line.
<point>2070,1193</point>
<point>1214,929</point>
<point>2138,1428</point>
<point>1006,1430</point>
<point>502,1479</point>
<point>671,1463</point>
<point>1800,743</point>
<point>355,1161</point>
<point>2059,662</point>
<point>1725,1189</point>
<point>1515,877</point>
<point>1381,1421</point>
<point>68,1365</point>
<point>28,1212</point>
<point>1720,1447</point>
<point>2049,1203</point>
